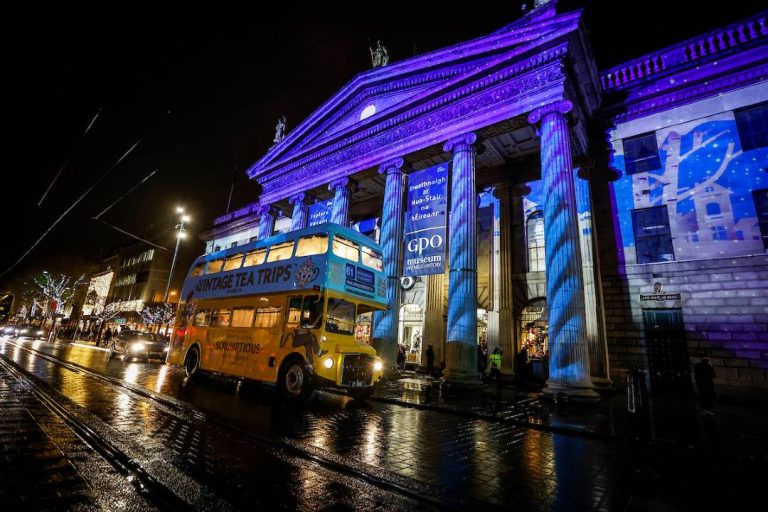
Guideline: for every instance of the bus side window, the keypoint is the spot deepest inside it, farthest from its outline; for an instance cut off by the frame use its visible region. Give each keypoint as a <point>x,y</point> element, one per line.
<point>255,257</point>
<point>312,312</point>
<point>345,248</point>
<point>215,266</point>
<point>281,251</point>
<point>294,313</point>
<point>198,269</point>
<point>233,262</point>
<point>242,317</point>
<point>220,317</point>
<point>311,245</point>
<point>268,317</point>
<point>202,318</point>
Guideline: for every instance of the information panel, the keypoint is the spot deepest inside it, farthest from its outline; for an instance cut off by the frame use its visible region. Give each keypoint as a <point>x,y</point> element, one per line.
<point>425,222</point>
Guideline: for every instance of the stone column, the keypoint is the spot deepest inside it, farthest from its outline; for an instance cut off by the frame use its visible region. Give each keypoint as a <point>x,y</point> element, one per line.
<point>568,350</point>
<point>434,319</point>
<point>340,210</point>
<point>598,351</point>
<point>386,322</point>
<point>501,318</point>
<point>300,211</point>
<point>461,335</point>
<point>267,216</point>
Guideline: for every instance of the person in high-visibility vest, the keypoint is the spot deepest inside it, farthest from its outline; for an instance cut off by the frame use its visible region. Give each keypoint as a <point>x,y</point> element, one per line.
<point>496,365</point>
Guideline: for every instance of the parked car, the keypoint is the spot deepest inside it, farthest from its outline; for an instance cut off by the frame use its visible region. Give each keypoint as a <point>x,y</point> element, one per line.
<point>139,345</point>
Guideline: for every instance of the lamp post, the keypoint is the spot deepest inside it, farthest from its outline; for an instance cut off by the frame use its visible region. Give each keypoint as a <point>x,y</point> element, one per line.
<point>180,226</point>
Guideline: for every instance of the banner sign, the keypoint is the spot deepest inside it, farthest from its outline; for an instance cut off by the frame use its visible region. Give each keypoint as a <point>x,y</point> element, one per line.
<point>320,212</point>
<point>425,222</point>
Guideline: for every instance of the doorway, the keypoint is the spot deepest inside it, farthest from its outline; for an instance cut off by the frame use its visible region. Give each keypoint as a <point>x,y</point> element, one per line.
<point>667,351</point>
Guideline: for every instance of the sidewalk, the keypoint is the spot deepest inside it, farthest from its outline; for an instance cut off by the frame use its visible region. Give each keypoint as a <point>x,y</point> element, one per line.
<point>736,431</point>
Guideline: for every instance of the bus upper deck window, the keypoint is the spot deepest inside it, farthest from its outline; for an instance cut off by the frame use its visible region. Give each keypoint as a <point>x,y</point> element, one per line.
<point>311,245</point>
<point>312,312</point>
<point>346,248</point>
<point>198,269</point>
<point>255,257</point>
<point>372,258</point>
<point>233,262</point>
<point>215,266</point>
<point>280,251</point>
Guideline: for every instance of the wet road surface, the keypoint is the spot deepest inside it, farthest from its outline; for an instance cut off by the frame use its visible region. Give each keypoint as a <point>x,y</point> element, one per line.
<point>226,444</point>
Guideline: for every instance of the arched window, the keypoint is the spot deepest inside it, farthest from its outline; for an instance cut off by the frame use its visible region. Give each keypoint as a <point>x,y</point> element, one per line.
<point>535,237</point>
<point>713,210</point>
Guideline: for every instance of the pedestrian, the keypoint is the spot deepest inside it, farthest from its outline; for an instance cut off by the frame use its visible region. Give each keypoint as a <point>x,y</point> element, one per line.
<point>108,336</point>
<point>522,364</point>
<point>401,358</point>
<point>430,360</point>
<point>495,372</point>
<point>482,364</point>
<point>704,375</point>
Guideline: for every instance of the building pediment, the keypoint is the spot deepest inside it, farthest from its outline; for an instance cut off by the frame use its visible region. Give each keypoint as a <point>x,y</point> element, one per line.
<point>363,114</point>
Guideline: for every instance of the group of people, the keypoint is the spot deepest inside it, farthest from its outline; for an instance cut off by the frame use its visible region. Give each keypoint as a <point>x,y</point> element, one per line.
<point>483,360</point>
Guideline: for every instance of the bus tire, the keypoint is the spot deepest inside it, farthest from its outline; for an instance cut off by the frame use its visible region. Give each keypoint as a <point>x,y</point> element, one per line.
<point>294,381</point>
<point>192,363</point>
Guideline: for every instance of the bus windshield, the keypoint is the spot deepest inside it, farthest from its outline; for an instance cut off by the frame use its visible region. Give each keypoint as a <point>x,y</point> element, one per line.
<point>341,316</point>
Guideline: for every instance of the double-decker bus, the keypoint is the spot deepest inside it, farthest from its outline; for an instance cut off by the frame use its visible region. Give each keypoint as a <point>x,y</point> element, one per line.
<point>283,310</point>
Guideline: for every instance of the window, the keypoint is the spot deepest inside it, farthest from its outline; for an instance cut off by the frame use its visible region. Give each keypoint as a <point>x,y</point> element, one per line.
<point>242,317</point>
<point>268,317</point>
<point>535,235</point>
<point>281,251</point>
<point>372,258</point>
<point>761,207</point>
<point>341,316</point>
<point>234,244</point>
<point>220,317</point>
<point>202,318</point>
<point>719,233</point>
<point>312,312</point>
<point>255,257</point>
<point>233,262</point>
<point>215,266</point>
<point>345,248</point>
<point>197,270</point>
<point>294,313</point>
<point>653,240</point>
<point>311,245</point>
<point>752,124</point>
<point>641,153</point>
<point>713,210</point>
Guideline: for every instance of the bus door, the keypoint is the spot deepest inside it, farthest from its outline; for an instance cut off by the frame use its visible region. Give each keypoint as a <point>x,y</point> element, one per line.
<point>302,327</point>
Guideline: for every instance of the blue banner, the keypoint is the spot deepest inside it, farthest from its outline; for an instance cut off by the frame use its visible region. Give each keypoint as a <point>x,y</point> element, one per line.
<point>425,222</point>
<point>320,212</point>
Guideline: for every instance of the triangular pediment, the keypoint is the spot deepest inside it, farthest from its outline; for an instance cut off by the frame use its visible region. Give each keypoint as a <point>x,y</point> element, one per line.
<point>376,96</point>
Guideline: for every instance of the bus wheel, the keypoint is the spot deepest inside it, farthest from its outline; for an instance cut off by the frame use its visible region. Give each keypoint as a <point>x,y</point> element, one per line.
<point>192,363</point>
<point>295,381</point>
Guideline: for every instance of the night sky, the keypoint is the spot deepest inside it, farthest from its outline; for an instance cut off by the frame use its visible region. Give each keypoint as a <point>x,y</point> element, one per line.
<point>202,90</point>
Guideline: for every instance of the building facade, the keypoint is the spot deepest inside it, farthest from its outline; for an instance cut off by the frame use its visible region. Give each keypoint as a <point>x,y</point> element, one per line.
<point>600,220</point>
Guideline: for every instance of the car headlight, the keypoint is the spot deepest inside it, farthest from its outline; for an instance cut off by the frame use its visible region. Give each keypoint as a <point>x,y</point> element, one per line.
<point>166,349</point>
<point>377,366</point>
<point>137,347</point>
<point>328,363</point>
<point>23,331</point>
<point>40,333</point>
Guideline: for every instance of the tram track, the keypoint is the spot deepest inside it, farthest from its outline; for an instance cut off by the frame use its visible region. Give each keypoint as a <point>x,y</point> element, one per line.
<point>426,493</point>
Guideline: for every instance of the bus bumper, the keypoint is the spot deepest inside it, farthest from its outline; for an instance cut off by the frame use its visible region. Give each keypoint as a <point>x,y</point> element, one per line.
<point>349,372</point>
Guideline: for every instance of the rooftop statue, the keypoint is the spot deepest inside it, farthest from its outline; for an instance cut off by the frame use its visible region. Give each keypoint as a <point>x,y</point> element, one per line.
<point>279,130</point>
<point>379,55</point>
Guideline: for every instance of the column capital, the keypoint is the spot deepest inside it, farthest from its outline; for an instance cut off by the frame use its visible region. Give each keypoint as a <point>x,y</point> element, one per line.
<point>338,183</point>
<point>460,142</point>
<point>297,198</point>
<point>556,107</point>
<point>266,209</point>
<point>392,166</point>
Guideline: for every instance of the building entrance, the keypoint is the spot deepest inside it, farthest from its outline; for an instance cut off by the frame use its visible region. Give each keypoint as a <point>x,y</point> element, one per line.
<point>411,332</point>
<point>534,338</point>
<point>667,352</point>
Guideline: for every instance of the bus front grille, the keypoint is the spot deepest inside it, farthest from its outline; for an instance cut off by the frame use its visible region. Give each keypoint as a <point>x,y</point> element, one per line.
<point>357,370</point>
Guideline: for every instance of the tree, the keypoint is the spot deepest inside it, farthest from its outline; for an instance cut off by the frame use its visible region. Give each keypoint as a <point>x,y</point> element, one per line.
<point>160,315</point>
<point>53,291</point>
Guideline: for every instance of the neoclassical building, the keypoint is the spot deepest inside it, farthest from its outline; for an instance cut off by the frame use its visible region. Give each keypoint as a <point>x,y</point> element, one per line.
<point>600,219</point>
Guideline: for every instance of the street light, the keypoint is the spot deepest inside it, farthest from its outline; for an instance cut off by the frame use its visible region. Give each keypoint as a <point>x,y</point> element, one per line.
<point>180,226</point>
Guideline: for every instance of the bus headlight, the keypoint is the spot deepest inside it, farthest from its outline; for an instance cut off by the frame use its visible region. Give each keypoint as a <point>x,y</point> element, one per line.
<point>328,363</point>
<point>137,347</point>
<point>377,366</point>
